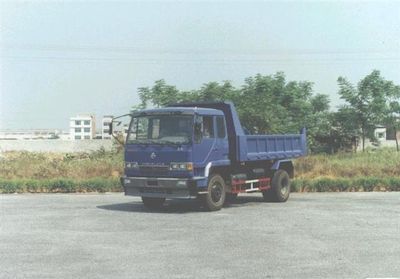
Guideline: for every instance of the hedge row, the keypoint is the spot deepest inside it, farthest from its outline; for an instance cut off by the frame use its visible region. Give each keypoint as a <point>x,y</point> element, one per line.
<point>322,184</point>
<point>59,185</point>
<point>355,184</point>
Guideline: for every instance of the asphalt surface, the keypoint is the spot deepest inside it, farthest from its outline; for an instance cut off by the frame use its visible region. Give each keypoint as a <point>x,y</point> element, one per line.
<point>313,235</point>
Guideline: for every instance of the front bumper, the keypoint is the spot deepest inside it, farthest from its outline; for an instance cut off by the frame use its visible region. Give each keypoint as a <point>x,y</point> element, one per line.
<point>175,188</point>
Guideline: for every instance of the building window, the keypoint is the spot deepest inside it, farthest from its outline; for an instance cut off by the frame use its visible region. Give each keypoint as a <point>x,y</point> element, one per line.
<point>86,122</point>
<point>106,124</point>
<point>78,137</point>
<point>381,135</point>
<point>78,130</point>
<point>87,137</point>
<point>77,122</point>
<point>86,130</point>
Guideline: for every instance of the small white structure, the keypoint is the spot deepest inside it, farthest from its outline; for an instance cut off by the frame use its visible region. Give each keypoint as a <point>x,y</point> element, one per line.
<point>82,127</point>
<point>380,133</point>
<point>384,138</point>
<point>105,126</point>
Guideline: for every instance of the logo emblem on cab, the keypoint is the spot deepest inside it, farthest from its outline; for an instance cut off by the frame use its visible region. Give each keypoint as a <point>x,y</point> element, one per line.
<point>153,155</point>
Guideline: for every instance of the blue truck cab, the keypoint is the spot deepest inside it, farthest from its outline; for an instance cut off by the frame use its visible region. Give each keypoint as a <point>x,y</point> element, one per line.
<point>200,151</point>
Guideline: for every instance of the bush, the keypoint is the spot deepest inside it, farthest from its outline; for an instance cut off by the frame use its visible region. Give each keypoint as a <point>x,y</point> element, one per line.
<point>9,186</point>
<point>368,183</point>
<point>101,185</point>
<point>59,185</point>
<point>32,186</point>
<point>394,183</point>
<point>297,185</point>
<point>328,184</point>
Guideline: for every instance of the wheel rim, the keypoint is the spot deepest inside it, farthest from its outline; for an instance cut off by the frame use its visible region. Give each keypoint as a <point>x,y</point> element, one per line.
<point>216,192</point>
<point>284,186</point>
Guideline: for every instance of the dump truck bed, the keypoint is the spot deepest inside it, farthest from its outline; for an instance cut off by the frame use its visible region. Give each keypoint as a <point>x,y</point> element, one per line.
<point>244,148</point>
<point>271,147</point>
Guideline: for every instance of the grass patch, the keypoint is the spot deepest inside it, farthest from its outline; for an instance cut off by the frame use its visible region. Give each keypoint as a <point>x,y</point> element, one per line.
<point>378,163</point>
<point>33,165</point>
<point>99,171</point>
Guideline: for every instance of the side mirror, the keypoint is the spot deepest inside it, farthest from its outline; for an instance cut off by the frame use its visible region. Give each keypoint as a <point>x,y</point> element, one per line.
<point>111,125</point>
<point>111,130</point>
<point>198,135</point>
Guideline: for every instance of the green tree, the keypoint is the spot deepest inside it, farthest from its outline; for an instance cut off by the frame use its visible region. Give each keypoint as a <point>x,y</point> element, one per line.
<point>265,104</point>
<point>344,129</point>
<point>368,102</point>
<point>159,95</point>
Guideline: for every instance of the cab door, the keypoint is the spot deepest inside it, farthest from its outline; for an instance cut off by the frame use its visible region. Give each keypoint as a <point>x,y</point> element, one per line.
<point>204,150</point>
<point>221,147</point>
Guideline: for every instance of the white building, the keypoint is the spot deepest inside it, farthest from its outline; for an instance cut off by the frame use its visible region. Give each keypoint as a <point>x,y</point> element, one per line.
<point>105,126</point>
<point>82,126</point>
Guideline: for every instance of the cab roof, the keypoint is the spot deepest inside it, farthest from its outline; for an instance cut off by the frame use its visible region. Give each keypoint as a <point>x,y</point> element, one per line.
<point>180,110</point>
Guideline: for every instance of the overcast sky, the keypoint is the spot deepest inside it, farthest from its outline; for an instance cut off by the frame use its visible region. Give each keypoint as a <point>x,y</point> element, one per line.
<point>62,58</point>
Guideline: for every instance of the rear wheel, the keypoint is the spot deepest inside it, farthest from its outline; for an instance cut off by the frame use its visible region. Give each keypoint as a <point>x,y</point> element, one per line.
<point>153,203</point>
<point>215,197</point>
<point>280,187</point>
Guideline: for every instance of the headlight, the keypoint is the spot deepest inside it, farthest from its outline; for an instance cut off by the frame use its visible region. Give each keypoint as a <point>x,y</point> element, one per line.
<point>181,166</point>
<point>131,165</point>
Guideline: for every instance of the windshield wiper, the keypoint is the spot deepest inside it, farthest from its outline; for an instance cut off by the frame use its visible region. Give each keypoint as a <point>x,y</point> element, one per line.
<point>149,141</point>
<point>169,142</point>
<point>141,142</point>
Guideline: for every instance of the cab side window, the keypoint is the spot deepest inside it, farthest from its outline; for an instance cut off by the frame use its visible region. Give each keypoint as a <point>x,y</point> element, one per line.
<point>208,127</point>
<point>221,133</point>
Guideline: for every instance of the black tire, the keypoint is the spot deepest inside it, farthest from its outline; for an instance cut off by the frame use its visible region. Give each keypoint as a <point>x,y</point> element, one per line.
<point>280,187</point>
<point>231,197</point>
<point>153,203</point>
<point>215,197</point>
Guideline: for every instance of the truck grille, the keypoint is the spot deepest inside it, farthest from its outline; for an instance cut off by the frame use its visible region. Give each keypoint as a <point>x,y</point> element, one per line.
<point>153,170</point>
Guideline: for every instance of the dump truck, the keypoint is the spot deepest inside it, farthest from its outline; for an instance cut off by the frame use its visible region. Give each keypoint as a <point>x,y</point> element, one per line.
<point>201,151</point>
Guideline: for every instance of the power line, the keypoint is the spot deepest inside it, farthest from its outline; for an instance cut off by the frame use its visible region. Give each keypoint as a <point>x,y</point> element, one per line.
<point>152,50</point>
<point>207,61</point>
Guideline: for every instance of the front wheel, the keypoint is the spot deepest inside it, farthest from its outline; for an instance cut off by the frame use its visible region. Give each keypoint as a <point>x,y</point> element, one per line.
<point>153,203</point>
<point>280,187</point>
<point>215,197</point>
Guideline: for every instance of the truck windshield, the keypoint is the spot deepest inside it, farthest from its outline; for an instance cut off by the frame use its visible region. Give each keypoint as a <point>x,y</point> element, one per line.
<point>161,129</point>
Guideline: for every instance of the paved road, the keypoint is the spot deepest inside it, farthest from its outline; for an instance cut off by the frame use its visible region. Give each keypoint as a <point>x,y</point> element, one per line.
<point>315,235</point>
